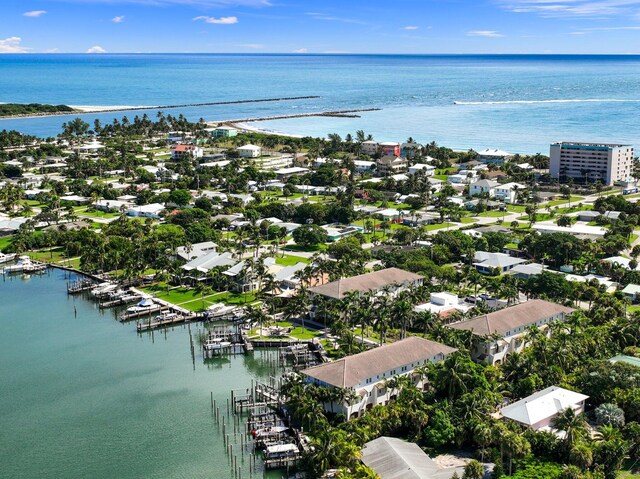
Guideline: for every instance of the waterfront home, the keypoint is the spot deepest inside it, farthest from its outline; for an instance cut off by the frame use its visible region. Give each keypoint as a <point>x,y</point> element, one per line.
<point>390,165</point>
<point>224,132</point>
<point>367,374</point>
<point>393,279</point>
<point>483,187</point>
<point>181,150</point>
<point>9,226</point>
<point>249,151</point>
<point>494,156</point>
<point>490,263</point>
<point>497,334</point>
<point>207,262</point>
<point>538,411</point>
<point>393,458</point>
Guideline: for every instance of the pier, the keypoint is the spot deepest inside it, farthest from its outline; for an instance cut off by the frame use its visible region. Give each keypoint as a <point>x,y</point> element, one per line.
<point>334,114</point>
<point>80,286</point>
<point>119,301</point>
<point>161,323</point>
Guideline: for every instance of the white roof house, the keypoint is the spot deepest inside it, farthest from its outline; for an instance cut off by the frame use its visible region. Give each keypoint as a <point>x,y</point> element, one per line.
<point>486,262</point>
<point>249,151</point>
<point>428,169</point>
<point>146,211</point>
<point>443,302</point>
<point>195,250</point>
<point>538,410</point>
<point>209,261</point>
<point>575,229</point>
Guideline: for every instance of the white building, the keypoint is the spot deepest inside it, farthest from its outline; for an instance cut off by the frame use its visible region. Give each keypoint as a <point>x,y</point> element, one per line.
<point>441,303</point>
<point>538,411</point>
<point>152,210</point>
<point>482,187</point>
<point>507,192</point>
<point>494,156</point>
<point>609,163</point>
<point>179,151</point>
<point>249,151</point>
<point>429,170</point>
<point>274,162</point>
<point>366,373</point>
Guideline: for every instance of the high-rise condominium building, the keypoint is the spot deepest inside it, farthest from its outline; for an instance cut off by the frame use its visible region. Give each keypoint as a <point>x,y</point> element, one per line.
<point>608,163</point>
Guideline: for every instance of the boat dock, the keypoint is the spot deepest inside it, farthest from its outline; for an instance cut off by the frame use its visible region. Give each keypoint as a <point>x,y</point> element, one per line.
<point>80,286</point>
<point>156,323</point>
<point>119,301</point>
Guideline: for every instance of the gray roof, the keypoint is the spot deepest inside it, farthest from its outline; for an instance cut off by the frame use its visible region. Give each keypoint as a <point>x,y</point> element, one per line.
<point>352,370</point>
<point>507,319</point>
<point>495,260</point>
<point>210,261</point>
<point>529,269</point>
<point>366,282</point>
<point>393,458</point>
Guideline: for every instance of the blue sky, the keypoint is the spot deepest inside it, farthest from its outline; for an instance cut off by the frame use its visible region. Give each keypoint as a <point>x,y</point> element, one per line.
<point>321,26</point>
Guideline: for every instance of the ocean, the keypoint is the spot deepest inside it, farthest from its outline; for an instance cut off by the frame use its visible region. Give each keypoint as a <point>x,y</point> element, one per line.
<point>84,396</point>
<point>519,103</point>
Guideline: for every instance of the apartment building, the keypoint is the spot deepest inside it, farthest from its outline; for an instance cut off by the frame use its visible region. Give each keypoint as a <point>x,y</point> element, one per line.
<point>609,163</point>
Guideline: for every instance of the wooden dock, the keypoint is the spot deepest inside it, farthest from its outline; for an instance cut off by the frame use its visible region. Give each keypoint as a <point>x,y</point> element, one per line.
<point>80,286</point>
<point>138,314</point>
<point>122,300</point>
<point>163,323</point>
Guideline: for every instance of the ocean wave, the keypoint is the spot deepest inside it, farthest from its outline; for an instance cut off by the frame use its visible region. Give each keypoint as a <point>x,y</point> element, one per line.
<point>530,102</point>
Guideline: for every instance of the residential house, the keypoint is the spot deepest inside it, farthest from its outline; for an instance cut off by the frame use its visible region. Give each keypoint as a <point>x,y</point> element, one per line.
<point>224,132</point>
<point>390,148</point>
<point>390,165</point>
<point>410,149</point>
<point>483,187</point>
<point>443,303</point>
<point>284,174</point>
<point>393,458</point>
<point>394,278</point>
<point>538,411</point>
<point>336,232</point>
<point>494,156</point>
<point>369,147</point>
<point>508,192</point>
<point>209,261</point>
<point>362,166</point>
<point>273,162</point>
<point>502,332</point>
<point>181,150</point>
<point>249,151</point>
<point>526,271</point>
<point>152,210</point>
<point>488,263</point>
<point>429,170</point>
<point>588,216</point>
<point>196,250</point>
<point>112,205</point>
<point>366,373</point>
<point>632,291</point>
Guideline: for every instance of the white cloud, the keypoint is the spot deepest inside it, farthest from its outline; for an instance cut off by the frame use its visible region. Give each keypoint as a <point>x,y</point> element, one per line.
<point>252,46</point>
<point>96,49</point>
<point>12,45</point>
<point>118,19</point>
<point>331,18</point>
<point>410,27</point>
<point>484,33</point>
<point>300,50</point>
<point>34,13</point>
<point>52,50</point>
<point>217,21</point>
<point>574,8</point>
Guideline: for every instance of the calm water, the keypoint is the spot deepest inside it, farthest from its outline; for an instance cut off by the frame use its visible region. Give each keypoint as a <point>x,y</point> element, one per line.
<point>519,103</point>
<point>86,397</point>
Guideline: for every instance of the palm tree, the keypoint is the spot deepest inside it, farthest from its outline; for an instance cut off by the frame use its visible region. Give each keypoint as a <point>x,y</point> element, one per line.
<point>574,426</point>
<point>514,446</point>
<point>581,455</point>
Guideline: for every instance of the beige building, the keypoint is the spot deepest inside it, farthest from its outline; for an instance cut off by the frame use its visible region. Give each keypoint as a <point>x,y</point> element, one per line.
<point>609,163</point>
<point>498,334</point>
<point>367,374</point>
<point>391,165</point>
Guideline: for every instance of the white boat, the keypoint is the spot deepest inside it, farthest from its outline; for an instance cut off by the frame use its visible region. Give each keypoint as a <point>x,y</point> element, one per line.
<point>281,451</point>
<point>219,310</point>
<point>272,431</point>
<point>166,316</point>
<point>103,289</point>
<point>216,344</point>
<point>5,258</point>
<point>19,267</point>
<point>145,304</point>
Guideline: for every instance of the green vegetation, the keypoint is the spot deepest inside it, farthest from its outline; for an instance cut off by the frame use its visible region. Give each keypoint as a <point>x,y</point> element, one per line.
<point>15,109</point>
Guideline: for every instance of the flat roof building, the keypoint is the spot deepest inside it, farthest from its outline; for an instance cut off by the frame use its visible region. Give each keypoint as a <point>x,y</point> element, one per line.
<point>609,163</point>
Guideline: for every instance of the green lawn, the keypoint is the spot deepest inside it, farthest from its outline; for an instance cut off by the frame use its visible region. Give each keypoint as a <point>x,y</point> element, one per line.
<point>632,238</point>
<point>188,298</point>
<point>491,214</point>
<point>5,241</point>
<point>307,249</point>
<point>574,199</point>
<point>440,177</point>
<point>437,226</point>
<point>466,219</point>
<point>516,208</point>
<point>82,211</point>
<point>290,260</point>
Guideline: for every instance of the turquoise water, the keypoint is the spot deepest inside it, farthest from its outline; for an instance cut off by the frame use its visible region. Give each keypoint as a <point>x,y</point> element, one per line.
<point>518,103</point>
<point>86,397</point>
